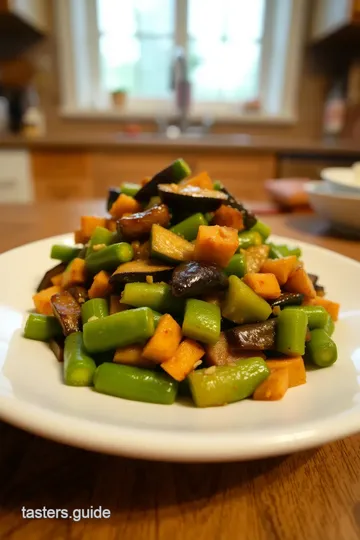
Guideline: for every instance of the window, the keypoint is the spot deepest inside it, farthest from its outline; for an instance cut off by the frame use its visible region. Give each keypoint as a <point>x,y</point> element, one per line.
<point>236,52</point>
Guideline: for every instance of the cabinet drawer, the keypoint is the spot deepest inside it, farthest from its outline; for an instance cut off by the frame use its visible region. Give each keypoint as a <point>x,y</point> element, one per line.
<point>15,177</point>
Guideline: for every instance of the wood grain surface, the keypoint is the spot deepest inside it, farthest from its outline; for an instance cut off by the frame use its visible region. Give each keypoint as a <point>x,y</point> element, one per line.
<point>313,495</point>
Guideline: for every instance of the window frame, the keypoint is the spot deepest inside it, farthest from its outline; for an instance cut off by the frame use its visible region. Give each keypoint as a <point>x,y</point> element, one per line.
<point>78,76</point>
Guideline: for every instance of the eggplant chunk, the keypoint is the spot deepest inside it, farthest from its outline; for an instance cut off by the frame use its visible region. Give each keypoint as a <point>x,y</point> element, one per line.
<point>287,299</point>
<point>46,282</point>
<point>57,347</point>
<point>176,171</point>
<point>139,225</point>
<point>196,278</point>
<point>253,337</point>
<point>313,278</point>
<point>221,354</point>
<point>140,271</point>
<point>79,293</point>
<point>68,312</point>
<point>191,199</point>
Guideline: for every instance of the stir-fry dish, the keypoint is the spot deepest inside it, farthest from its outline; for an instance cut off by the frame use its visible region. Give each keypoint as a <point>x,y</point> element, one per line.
<point>179,292</point>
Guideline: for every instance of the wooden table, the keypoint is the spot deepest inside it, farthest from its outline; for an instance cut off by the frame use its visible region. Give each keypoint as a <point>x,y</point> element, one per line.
<point>313,495</point>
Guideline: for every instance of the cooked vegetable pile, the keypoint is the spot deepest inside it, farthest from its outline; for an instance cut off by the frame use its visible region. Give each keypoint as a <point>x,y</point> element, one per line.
<point>179,291</point>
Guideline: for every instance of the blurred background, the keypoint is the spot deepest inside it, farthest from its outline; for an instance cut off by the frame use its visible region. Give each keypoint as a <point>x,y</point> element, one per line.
<point>97,92</point>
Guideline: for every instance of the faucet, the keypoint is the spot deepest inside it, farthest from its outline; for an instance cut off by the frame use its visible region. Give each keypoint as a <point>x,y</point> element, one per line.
<point>182,87</point>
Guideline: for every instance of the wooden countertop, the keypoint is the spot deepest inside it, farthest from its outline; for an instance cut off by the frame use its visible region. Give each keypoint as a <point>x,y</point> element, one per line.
<point>310,495</point>
<point>225,142</point>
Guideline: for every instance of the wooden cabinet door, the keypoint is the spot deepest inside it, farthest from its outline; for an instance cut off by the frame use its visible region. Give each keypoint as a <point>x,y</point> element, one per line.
<point>61,175</point>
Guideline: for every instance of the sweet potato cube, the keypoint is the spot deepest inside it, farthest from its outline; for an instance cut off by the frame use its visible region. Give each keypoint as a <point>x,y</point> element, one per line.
<point>331,307</point>
<point>184,360</point>
<point>164,342</point>
<point>89,224</point>
<point>124,205</point>
<point>265,285</point>
<point>299,282</point>
<point>216,244</point>
<point>42,300</point>
<point>100,287</point>
<point>201,180</point>
<point>274,387</point>
<point>295,366</point>
<point>228,217</point>
<point>281,268</point>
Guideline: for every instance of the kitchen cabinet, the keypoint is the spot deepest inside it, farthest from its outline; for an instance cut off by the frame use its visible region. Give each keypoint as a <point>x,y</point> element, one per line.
<point>332,16</point>
<point>15,177</point>
<point>32,12</point>
<point>309,167</point>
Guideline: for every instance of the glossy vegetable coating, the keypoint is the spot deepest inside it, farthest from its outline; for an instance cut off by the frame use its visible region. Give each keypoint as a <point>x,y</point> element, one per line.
<point>188,228</point>
<point>329,325</point>
<point>95,308</point>
<point>291,332</point>
<point>249,238</point>
<point>68,312</point>
<point>156,296</point>
<point>138,226</point>
<point>256,336</point>
<point>79,367</point>
<point>197,278</point>
<point>109,257</point>
<point>118,330</point>
<point>134,383</point>
<point>288,299</point>
<point>242,305</point>
<point>321,350</point>
<point>202,321</point>
<point>237,265</point>
<point>100,237</point>
<point>64,253</point>
<point>226,384</point>
<point>41,327</point>
<point>317,315</point>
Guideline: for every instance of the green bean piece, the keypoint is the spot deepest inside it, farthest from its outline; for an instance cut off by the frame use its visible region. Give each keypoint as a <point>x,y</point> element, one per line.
<point>156,296</point>
<point>130,189</point>
<point>279,251</point>
<point>209,216</point>
<point>217,185</point>
<point>262,229</point>
<point>188,228</point>
<point>202,321</point>
<point>317,315</point>
<point>119,330</point>
<point>237,266</point>
<point>226,384</point>
<point>248,239</point>
<point>64,253</point>
<point>242,305</point>
<point>157,316</point>
<point>321,350</point>
<point>41,327</point>
<point>79,367</point>
<point>109,258</point>
<point>100,236</point>
<point>96,308</point>
<point>291,332</point>
<point>135,383</point>
<point>329,326</point>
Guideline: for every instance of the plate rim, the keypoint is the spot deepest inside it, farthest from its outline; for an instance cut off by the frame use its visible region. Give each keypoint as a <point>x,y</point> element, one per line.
<point>181,446</point>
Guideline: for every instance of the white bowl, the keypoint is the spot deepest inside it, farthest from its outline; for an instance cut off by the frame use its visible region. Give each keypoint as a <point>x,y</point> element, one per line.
<point>340,208</point>
<point>344,179</point>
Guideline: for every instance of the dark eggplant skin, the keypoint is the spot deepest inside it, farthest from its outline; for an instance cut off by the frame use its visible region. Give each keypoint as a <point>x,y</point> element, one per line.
<point>253,337</point>
<point>137,271</point>
<point>79,293</point>
<point>191,199</point>
<point>314,278</point>
<point>174,173</point>
<point>45,283</point>
<point>113,194</point>
<point>287,299</point>
<point>320,290</point>
<point>195,278</point>
<point>249,218</point>
<point>57,347</point>
<point>67,311</point>
<point>138,226</point>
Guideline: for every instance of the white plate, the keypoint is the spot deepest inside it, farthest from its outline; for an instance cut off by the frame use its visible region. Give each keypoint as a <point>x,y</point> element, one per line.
<point>33,397</point>
<point>341,209</point>
<point>342,178</point>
